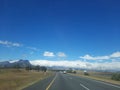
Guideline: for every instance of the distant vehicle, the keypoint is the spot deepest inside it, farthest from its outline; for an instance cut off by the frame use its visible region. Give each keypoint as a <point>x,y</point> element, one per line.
<point>64,72</point>
<point>85,72</point>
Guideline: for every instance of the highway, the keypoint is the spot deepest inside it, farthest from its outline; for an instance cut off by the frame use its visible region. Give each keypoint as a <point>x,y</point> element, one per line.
<point>62,81</point>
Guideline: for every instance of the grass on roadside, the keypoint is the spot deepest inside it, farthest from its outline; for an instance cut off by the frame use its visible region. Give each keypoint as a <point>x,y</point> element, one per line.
<point>12,79</point>
<point>102,76</point>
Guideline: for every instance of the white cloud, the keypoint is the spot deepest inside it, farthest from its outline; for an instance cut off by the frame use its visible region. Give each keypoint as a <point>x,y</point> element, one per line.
<point>115,55</point>
<point>12,61</point>
<point>65,63</point>
<point>61,54</point>
<point>51,54</point>
<point>79,64</point>
<point>89,57</point>
<point>8,44</point>
<point>48,54</point>
<point>105,66</point>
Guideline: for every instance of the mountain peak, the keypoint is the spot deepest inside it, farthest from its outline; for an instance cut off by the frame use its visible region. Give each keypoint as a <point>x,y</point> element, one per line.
<point>22,63</point>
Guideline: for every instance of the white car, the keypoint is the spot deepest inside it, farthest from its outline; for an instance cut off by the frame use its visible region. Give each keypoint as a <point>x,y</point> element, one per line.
<point>64,72</point>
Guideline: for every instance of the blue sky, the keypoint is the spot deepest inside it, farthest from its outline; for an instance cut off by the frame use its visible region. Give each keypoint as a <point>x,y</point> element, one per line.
<point>59,29</point>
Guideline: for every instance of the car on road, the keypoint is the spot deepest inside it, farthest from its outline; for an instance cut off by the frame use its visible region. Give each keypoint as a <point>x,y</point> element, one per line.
<point>64,72</point>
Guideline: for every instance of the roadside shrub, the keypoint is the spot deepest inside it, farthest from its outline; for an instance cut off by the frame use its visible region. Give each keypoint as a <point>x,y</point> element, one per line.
<point>71,71</point>
<point>116,77</point>
<point>86,73</point>
<point>74,72</point>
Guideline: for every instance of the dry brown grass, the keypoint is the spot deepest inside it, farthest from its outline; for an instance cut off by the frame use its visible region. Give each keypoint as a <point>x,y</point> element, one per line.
<point>11,79</point>
<point>102,76</point>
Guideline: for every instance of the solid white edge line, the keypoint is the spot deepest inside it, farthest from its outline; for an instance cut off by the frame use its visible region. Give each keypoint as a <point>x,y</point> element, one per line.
<point>84,86</point>
<point>102,82</point>
<point>108,84</point>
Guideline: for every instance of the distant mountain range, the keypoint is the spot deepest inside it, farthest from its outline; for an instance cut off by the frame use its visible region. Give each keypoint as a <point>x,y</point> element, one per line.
<point>20,63</point>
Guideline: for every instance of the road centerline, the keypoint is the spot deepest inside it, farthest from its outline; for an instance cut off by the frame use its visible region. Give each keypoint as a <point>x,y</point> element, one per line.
<point>51,83</point>
<point>84,86</point>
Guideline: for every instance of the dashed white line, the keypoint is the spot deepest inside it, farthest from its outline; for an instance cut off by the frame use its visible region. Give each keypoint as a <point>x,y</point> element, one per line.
<point>104,83</point>
<point>84,86</point>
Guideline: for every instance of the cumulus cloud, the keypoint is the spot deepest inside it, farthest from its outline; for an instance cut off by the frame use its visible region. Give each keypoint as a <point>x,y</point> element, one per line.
<point>89,57</point>
<point>115,55</point>
<point>48,54</point>
<point>79,64</point>
<point>61,54</point>
<point>8,44</point>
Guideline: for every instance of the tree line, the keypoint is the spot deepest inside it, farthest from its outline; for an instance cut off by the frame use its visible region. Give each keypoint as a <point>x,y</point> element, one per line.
<point>37,68</point>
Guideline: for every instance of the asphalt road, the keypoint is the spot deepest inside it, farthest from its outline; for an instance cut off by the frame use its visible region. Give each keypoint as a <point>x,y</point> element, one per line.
<point>62,81</point>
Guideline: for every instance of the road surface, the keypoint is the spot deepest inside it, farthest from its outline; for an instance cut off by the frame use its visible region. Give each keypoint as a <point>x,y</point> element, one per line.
<point>62,81</point>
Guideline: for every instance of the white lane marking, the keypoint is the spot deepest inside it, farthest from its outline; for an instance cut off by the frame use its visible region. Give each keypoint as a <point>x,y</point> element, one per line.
<point>84,86</point>
<point>107,84</point>
<point>101,82</point>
